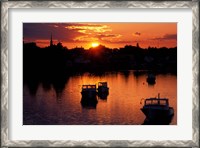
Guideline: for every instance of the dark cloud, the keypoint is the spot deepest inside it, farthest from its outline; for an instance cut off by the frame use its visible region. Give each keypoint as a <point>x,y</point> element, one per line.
<point>42,31</point>
<point>167,37</point>
<point>106,35</point>
<point>102,36</point>
<point>118,41</point>
<point>82,24</point>
<point>170,36</point>
<point>138,33</point>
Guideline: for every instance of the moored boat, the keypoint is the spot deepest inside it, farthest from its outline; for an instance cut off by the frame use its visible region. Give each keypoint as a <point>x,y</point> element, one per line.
<point>103,88</point>
<point>89,99</point>
<point>157,108</point>
<point>151,79</point>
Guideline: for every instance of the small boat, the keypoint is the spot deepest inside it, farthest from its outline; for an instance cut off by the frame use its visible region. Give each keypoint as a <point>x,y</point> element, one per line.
<point>151,79</point>
<point>157,108</point>
<point>89,99</point>
<point>89,91</point>
<point>103,88</point>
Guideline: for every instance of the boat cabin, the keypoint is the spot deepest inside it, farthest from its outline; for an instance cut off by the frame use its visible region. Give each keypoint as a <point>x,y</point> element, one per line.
<point>88,87</point>
<point>156,101</point>
<point>102,84</point>
<point>151,76</point>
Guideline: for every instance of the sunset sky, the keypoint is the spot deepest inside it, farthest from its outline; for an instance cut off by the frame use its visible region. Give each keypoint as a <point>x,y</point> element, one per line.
<point>112,35</point>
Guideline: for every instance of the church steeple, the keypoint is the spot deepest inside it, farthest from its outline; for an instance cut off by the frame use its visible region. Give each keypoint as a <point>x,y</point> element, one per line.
<point>51,41</point>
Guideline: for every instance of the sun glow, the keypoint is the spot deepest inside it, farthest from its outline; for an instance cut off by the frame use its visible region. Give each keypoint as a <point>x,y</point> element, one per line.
<point>95,44</point>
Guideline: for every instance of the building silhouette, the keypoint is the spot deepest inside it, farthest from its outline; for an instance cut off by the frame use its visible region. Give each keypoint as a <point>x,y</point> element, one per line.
<point>51,41</point>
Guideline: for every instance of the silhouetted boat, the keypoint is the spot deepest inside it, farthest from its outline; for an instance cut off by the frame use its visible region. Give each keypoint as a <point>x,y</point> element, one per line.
<point>89,98</point>
<point>151,79</point>
<point>157,108</point>
<point>103,88</point>
<point>89,91</point>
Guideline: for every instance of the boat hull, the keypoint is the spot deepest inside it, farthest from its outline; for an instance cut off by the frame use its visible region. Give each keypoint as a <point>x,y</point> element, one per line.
<point>157,114</point>
<point>103,96</point>
<point>151,80</point>
<point>103,90</point>
<point>89,94</point>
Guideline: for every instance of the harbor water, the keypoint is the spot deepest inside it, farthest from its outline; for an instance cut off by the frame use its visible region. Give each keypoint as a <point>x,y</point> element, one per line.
<point>59,103</point>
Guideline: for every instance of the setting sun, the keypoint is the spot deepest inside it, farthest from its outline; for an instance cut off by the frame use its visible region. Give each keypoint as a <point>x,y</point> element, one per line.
<point>95,44</point>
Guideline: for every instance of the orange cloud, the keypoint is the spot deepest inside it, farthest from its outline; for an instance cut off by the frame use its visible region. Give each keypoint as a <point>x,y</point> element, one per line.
<point>87,28</point>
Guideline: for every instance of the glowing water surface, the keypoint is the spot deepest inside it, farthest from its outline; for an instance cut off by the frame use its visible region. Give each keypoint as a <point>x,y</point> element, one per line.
<point>61,106</point>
